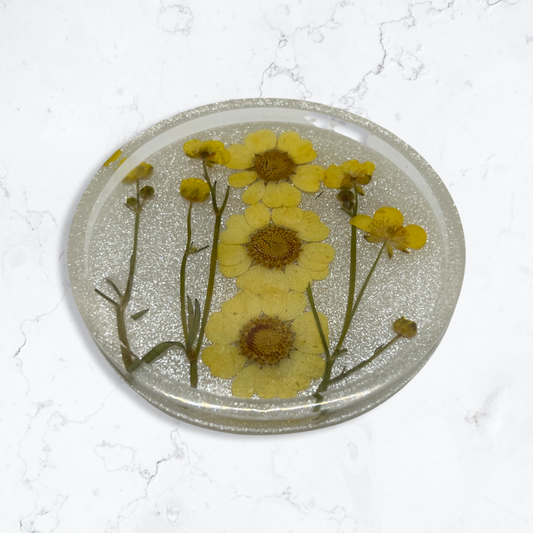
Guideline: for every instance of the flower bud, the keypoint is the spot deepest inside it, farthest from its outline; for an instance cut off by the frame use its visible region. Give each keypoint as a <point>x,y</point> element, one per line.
<point>146,192</point>
<point>404,327</point>
<point>131,203</point>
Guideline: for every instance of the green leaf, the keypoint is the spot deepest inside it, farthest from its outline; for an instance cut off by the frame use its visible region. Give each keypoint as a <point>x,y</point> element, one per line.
<point>138,315</point>
<point>158,350</point>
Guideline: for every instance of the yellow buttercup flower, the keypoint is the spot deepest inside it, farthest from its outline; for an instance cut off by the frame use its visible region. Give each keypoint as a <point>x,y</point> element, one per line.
<point>386,226</point>
<point>349,175</point>
<point>279,249</point>
<point>274,161</point>
<point>194,190</point>
<point>266,352</point>
<point>140,172</point>
<point>213,152</point>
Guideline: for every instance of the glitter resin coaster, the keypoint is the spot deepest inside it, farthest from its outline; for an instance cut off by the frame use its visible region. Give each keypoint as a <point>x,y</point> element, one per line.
<point>266,266</point>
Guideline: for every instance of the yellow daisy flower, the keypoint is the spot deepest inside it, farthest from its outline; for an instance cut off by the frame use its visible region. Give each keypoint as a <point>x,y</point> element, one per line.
<point>386,226</point>
<point>213,152</point>
<point>348,175</point>
<point>271,354</point>
<point>274,161</point>
<point>279,249</point>
<point>194,190</point>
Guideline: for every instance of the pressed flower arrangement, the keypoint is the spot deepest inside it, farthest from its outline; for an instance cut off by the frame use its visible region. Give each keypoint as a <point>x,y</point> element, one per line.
<point>269,276</point>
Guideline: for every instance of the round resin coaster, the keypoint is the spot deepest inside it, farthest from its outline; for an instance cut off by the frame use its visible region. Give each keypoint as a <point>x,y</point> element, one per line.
<point>266,266</point>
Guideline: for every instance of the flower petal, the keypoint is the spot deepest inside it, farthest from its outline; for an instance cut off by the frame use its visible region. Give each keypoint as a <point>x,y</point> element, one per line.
<point>257,215</point>
<point>319,253</point>
<point>307,338</point>
<point>242,179</point>
<point>388,216</point>
<point>260,141</point>
<point>237,230</point>
<point>363,222</point>
<point>298,277</point>
<point>319,275</point>
<point>258,278</point>
<point>293,375</point>
<point>296,303</point>
<point>219,330</point>
<point>416,236</point>
<point>314,364</point>
<point>231,254</point>
<point>244,382</point>
<point>267,382</point>
<point>290,217</point>
<point>308,177</point>
<point>291,195</point>
<point>311,229</point>
<point>241,157</point>
<point>254,193</point>
<point>234,271</point>
<point>300,150</point>
<point>333,177</point>
<point>273,301</point>
<point>241,308</point>
<point>224,360</point>
<point>273,195</point>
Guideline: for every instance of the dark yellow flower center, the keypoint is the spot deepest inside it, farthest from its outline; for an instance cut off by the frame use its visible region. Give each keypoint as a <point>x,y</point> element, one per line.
<point>274,166</point>
<point>265,341</point>
<point>274,246</point>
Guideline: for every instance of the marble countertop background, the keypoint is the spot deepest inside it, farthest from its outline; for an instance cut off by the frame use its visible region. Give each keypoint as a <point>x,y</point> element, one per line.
<point>80,451</point>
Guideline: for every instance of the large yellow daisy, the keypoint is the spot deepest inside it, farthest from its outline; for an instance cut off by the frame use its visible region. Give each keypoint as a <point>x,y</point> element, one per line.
<point>266,352</point>
<point>279,249</point>
<point>272,162</point>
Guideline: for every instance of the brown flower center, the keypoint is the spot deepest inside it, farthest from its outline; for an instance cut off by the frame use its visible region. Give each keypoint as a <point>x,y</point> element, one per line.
<point>274,166</point>
<point>265,341</point>
<point>274,246</point>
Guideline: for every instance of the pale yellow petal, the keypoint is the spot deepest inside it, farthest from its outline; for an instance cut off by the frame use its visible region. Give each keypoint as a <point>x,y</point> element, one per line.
<point>273,195</point>
<point>311,229</point>
<point>258,278</point>
<point>254,193</point>
<point>319,275</point>
<point>237,230</point>
<point>257,215</point>
<point>300,150</point>
<point>291,195</point>
<point>260,141</point>
<point>308,177</point>
<point>312,364</point>
<point>307,338</point>
<point>298,277</point>
<point>241,308</point>
<point>241,157</point>
<point>233,271</point>
<point>267,382</point>
<point>333,177</point>
<point>242,179</point>
<point>296,304</point>
<point>273,301</point>
<point>319,252</point>
<point>231,254</point>
<point>244,382</point>
<point>219,330</point>
<point>290,217</point>
<point>224,361</point>
<point>293,375</point>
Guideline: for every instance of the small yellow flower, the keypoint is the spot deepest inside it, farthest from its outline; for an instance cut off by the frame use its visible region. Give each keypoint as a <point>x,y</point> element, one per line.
<point>349,175</point>
<point>213,152</point>
<point>274,161</point>
<point>140,172</point>
<point>279,249</point>
<point>194,190</point>
<point>386,226</point>
<point>404,327</point>
<point>266,352</point>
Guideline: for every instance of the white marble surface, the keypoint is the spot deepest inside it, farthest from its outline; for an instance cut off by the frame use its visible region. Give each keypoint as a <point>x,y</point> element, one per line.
<point>80,451</point>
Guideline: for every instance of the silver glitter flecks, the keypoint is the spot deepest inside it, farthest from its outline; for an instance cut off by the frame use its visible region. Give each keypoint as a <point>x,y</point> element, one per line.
<point>422,285</point>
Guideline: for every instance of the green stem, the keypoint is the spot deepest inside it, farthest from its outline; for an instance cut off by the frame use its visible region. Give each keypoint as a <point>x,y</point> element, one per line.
<point>182,280</point>
<point>345,373</point>
<point>317,320</point>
